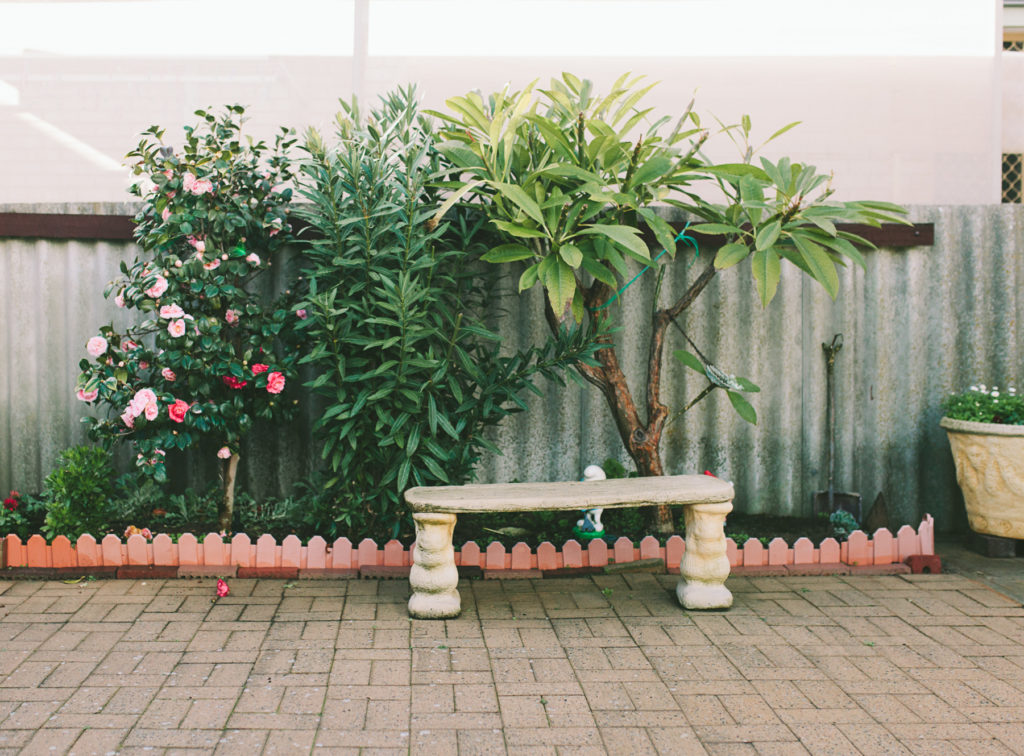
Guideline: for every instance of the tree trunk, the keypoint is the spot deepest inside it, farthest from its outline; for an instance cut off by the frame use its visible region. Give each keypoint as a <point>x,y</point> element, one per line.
<point>226,517</point>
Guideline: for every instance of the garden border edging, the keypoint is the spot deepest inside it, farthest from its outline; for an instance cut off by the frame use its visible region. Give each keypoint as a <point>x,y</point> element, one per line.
<point>882,553</point>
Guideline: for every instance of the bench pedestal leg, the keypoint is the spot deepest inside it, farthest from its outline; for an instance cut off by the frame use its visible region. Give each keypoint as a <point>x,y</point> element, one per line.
<point>434,577</point>
<point>705,565</point>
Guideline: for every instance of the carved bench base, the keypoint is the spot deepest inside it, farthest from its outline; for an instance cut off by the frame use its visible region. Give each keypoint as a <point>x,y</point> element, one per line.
<point>434,577</point>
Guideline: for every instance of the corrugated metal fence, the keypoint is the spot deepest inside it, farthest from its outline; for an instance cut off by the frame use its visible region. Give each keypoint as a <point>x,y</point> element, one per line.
<point>918,323</point>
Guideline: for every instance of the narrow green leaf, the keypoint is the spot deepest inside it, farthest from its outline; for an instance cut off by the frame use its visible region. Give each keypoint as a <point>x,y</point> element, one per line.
<point>653,169</point>
<point>715,229</point>
<point>523,232</point>
<point>748,385</point>
<point>663,232</point>
<point>782,131</point>
<point>507,253</point>
<point>742,407</point>
<point>690,360</point>
<point>455,197</point>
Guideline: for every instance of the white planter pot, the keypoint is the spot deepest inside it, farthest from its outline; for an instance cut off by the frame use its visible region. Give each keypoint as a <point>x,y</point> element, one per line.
<point>989,461</point>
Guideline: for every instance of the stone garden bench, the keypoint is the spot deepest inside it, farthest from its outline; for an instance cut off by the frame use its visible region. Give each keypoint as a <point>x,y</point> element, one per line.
<point>434,577</point>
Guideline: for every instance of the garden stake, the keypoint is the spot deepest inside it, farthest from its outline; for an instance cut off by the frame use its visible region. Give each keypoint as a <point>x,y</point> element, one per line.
<point>831,500</point>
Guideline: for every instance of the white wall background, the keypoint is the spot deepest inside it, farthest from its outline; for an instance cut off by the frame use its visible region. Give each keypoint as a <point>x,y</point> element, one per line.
<point>903,100</point>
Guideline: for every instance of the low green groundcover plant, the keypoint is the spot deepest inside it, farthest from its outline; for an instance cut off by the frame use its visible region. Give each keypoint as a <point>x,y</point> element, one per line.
<point>981,404</point>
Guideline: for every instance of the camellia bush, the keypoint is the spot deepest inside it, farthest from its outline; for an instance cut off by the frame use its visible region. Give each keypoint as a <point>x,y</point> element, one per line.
<point>211,353</point>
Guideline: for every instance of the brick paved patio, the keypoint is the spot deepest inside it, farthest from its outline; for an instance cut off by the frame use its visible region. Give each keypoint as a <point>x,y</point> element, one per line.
<point>608,664</point>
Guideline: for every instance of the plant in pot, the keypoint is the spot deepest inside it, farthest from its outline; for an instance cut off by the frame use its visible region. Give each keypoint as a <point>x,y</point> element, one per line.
<point>571,180</point>
<point>985,427</point>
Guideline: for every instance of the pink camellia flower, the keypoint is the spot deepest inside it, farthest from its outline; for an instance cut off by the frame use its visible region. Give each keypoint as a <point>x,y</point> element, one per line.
<point>158,288</point>
<point>119,298</point>
<point>275,382</point>
<point>231,316</point>
<point>252,258</point>
<point>127,345</point>
<point>143,365</point>
<point>198,244</point>
<point>142,398</point>
<point>168,374</point>
<point>165,214</point>
<point>224,452</point>
<point>152,410</point>
<point>188,181</point>
<point>96,346</point>
<point>202,186</point>
<point>87,396</point>
<point>128,418</point>
<point>177,410</point>
<point>222,588</point>
<point>146,533</point>
<point>176,328</point>
<point>171,311</point>
<point>259,368</point>
<point>212,264</point>
<point>301,314</point>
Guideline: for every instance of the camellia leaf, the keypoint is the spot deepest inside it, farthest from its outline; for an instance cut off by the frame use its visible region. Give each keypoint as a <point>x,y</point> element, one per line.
<point>742,407</point>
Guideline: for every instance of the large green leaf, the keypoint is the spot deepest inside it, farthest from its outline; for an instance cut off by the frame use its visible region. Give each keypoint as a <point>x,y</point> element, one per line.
<point>663,232</point>
<point>571,254</point>
<point>625,236</point>
<point>599,271</point>
<point>507,253</point>
<point>820,264</point>
<point>558,281</point>
<point>730,254</point>
<point>767,235</point>
<point>653,169</point>
<point>521,199</point>
<point>767,270</point>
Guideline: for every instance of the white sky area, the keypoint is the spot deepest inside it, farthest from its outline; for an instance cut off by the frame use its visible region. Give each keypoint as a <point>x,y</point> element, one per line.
<point>613,28</point>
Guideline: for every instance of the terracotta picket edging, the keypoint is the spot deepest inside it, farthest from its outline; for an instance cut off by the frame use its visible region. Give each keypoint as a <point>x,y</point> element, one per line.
<point>240,556</point>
